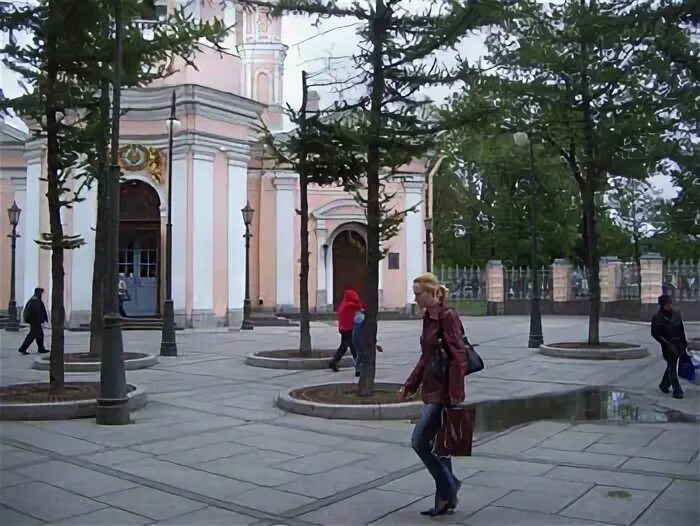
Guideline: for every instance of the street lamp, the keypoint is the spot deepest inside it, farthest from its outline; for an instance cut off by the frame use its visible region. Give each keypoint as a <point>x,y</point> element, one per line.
<point>247,212</point>
<point>428,243</point>
<point>113,403</point>
<point>13,322</point>
<point>168,345</point>
<point>536,338</point>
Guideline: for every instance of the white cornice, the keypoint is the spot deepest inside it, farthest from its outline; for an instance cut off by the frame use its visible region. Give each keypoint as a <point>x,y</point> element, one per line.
<point>153,104</point>
<point>190,139</point>
<point>284,179</point>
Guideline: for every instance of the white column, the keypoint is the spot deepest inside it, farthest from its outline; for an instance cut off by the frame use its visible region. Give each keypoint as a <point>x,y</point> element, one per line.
<point>29,224</point>
<point>380,292</point>
<point>230,22</point>
<point>237,199</point>
<point>321,262</point>
<point>179,219</point>
<point>413,233</point>
<point>285,184</point>
<point>21,200</point>
<point>203,239</point>
<point>84,224</point>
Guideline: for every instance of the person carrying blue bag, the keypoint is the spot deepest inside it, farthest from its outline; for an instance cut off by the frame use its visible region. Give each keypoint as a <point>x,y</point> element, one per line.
<point>667,329</point>
<point>358,325</point>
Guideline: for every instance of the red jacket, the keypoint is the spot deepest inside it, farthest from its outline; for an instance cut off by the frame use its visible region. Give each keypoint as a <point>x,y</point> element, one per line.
<point>434,389</point>
<point>347,309</point>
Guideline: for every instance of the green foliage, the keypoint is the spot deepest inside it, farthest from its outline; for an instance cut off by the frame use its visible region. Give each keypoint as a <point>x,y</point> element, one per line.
<point>391,122</point>
<point>606,85</point>
<point>83,59</point>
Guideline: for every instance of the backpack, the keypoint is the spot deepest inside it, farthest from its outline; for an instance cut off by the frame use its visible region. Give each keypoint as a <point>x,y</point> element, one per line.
<point>26,311</point>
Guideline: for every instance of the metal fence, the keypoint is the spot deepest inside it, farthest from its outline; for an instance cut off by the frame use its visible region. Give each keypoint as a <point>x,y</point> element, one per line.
<point>682,281</point>
<point>579,284</point>
<point>518,283</point>
<point>464,283</point>
<point>630,285</point>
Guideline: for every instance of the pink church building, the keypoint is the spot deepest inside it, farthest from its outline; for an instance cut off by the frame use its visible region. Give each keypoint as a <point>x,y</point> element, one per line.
<point>217,168</point>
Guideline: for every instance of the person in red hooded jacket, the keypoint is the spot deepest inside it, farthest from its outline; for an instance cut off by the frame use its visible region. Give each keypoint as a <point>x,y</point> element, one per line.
<point>347,309</point>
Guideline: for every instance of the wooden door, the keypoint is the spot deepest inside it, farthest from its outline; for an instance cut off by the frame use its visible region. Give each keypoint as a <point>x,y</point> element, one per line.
<point>349,265</point>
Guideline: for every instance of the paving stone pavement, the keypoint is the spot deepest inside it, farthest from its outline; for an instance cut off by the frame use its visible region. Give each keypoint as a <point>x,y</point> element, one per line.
<point>211,449</point>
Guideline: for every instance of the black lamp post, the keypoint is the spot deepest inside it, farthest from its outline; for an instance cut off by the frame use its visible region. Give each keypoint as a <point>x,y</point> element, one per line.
<point>113,404</point>
<point>13,322</point>
<point>168,345</point>
<point>428,243</point>
<point>536,338</point>
<point>247,212</point>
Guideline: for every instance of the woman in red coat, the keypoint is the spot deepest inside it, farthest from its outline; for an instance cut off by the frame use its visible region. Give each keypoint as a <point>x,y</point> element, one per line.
<point>347,309</point>
<point>437,392</point>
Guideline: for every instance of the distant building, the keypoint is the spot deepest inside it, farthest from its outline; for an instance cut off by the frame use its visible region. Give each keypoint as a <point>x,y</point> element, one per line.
<point>216,169</point>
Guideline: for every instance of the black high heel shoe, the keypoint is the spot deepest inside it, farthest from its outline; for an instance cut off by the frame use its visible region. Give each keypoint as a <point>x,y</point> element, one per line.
<point>442,508</point>
<point>452,503</point>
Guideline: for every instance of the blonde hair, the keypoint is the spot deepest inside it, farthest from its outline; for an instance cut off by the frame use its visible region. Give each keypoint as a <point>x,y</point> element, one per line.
<point>430,282</point>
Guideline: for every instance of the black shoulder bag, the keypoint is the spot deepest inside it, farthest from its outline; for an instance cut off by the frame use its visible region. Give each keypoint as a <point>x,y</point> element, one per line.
<point>439,367</point>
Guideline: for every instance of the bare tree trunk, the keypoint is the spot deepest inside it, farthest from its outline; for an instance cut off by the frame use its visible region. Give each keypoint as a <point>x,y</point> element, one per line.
<point>590,174</point>
<point>305,325</point>
<point>100,263</point>
<point>378,25</point>
<point>58,313</point>
<point>590,241</point>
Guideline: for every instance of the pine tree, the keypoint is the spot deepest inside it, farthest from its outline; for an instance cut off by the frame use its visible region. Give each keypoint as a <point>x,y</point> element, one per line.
<point>65,73</point>
<point>605,85</point>
<point>321,157</point>
<point>393,123</point>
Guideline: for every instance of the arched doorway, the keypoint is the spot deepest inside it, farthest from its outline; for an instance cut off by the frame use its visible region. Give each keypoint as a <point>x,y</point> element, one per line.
<point>139,246</point>
<point>349,264</point>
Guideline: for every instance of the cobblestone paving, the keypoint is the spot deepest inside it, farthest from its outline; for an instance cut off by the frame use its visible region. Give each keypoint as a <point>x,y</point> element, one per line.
<point>210,448</point>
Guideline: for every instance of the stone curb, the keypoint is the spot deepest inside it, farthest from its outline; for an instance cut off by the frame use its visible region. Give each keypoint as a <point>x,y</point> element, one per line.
<point>42,364</point>
<point>65,410</point>
<point>398,411</point>
<point>628,353</point>
<point>302,364</point>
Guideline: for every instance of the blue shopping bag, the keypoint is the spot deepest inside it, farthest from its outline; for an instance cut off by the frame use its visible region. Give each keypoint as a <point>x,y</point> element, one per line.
<point>686,369</point>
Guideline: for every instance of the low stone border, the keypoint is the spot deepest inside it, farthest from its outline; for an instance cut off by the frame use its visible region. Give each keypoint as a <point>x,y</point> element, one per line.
<point>66,410</point>
<point>319,360</point>
<point>397,411</point>
<point>611,351</point>
<point>42,363</point>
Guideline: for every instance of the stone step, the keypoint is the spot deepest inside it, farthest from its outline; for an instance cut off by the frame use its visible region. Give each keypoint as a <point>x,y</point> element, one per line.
<point>145,323</point>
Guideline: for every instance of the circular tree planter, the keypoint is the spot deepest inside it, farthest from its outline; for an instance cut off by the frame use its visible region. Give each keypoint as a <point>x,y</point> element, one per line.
<point>82,362</point>
<point>30,401</point>
<point>340,401</point>
<point>290,359</point>
<point>601,351</point>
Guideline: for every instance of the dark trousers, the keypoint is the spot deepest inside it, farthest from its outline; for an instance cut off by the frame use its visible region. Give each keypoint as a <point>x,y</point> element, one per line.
<point>422,442</point>
<point>345,344</point>
<point>670,378</point>
<point>122,312</point>
<point>36,333</point>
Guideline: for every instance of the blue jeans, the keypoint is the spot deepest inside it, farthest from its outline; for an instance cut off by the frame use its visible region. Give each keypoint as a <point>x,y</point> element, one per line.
<point>440,468</point>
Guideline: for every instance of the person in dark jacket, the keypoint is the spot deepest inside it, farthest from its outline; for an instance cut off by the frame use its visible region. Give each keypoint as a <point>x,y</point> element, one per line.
<point>437,392</point>
<point>667,329</point>
<point>35,315</point>
<point>349,306</point>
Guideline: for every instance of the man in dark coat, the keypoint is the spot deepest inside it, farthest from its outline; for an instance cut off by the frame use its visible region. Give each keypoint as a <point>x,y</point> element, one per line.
<point>35,315</point>
<point>667,329</point>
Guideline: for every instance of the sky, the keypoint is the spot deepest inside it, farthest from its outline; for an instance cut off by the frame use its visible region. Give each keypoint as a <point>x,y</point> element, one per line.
<point>323,48</point>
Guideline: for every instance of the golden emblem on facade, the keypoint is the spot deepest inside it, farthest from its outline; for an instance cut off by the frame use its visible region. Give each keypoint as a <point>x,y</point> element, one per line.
<point>137,158</point>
